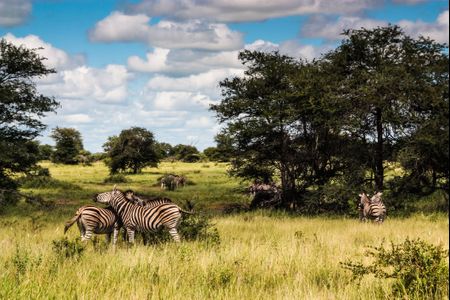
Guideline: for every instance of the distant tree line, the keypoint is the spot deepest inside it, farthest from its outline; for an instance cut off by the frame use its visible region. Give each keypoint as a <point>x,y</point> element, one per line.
<point>328,127</point>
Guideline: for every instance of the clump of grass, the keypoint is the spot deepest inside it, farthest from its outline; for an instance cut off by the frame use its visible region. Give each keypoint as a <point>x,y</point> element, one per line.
<point>192,228</point>
<point>65,249</point>
<point>116,178</point>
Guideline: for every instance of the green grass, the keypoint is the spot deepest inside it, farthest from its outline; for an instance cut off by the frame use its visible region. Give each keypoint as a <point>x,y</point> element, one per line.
<point>261,255</point>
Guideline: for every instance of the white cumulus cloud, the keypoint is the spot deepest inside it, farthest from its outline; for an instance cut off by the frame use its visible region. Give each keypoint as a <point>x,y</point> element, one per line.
<point>191,34</point>
<point>14,12</point>
<point>437,31</point>
<point>107,84</point>
<point>246,10</point>
<point>321,26</point>
<point>55,57</point>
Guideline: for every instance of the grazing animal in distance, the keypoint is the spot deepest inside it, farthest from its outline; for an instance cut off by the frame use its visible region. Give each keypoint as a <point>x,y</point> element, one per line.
<point>372,208</point>
<point>137,218</point>
<point>91,219</point>
<point>172,181</point>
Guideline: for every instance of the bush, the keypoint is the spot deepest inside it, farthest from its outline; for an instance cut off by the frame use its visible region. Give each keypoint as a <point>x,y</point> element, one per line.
<point>8,191</point>
<point>116,178</point>
<point>330,198</point>
<point>64,249</point>
<point>192,228</point>
<point>420,269</point>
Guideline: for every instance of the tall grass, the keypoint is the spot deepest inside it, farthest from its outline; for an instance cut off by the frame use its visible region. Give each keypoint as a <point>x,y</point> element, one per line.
<point>261,255</point>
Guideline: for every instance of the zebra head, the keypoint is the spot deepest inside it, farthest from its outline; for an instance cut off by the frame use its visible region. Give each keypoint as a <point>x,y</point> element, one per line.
<point>376,197</point>
<point>364,200</point>
<point>106,197</point>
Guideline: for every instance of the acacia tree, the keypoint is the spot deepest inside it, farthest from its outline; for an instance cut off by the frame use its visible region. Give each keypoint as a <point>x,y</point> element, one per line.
<point>21,107</point>
<point>133,149</point>
<point>392,81</point>
<point>279,124</point>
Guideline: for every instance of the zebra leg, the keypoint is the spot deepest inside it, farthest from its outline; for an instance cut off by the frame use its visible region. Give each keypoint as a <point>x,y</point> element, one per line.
<point>130,233</point>
<point>108,238</point>
<point>174,233</point>
<point>144,238</point>
<point>81,229</point>
<point>115,235</point>
<point>87,235</point>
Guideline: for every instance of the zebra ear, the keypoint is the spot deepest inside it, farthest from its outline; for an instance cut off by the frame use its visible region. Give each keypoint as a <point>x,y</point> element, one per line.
<point>115,188</point>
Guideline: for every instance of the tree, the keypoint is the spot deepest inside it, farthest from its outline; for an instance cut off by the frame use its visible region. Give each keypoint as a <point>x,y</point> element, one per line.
<point>45,152</point>
<point>21,107</point>
<point>164,150</point>
<point>280,122</point>
<point>186,153</point>
<point>68,145</point>
<point>389,78</point>
<point>133,149</point>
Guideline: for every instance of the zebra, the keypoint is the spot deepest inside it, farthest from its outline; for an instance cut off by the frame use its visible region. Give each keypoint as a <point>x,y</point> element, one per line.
<point>172,181</point>
<point>91,219</point>
<point>143,219</point>
<point>371,208</point>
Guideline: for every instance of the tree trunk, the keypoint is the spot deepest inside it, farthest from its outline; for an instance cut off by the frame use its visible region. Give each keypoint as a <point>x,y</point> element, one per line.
<point>379,170</point>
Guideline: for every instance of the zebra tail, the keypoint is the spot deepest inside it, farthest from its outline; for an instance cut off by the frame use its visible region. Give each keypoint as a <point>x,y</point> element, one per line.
<point>187,212</point>
<point>70,222</point>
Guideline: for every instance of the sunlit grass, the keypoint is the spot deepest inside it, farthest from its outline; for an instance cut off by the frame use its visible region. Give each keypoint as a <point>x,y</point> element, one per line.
<point>261,255</point>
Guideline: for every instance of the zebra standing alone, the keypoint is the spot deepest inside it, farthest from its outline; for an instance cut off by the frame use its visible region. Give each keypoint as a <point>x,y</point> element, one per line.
<point>143,219</point>
<point>372,208</point>
<point>91,219</point>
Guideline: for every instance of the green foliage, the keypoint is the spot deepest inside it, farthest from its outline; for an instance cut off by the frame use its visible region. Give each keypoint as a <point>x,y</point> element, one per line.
<point>281,120</point>
<point>133,149</point>
<point>68,145</point>
<point>21,105</point>
<point>65,249</point>
<point>116,178</point>
<point>419,269</point>
<point>8,193</point>
<point>164,150</point>
<point>23,261</point>
<point>185,153</point>
<point>45,152</point>
<point>392,86</point>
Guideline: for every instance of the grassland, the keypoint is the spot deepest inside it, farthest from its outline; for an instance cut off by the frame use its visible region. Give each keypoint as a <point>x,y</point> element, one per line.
<point>261,255</point>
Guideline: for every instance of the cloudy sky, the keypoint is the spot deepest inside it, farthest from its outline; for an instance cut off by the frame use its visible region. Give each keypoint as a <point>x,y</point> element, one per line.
<point>157,63</point>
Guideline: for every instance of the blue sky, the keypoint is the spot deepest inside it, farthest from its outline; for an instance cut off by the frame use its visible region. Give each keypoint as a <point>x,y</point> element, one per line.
<point>157,63</point>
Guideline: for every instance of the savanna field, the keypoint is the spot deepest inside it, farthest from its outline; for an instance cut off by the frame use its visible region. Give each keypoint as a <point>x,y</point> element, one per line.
<point>256,255</point>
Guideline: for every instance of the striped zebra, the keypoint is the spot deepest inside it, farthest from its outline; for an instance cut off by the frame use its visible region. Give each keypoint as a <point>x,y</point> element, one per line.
<point>143,219</point>
<point>91,219</point>
<point>371,208</point>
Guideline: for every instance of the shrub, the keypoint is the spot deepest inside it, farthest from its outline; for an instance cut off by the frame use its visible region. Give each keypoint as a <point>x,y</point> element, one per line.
<point>64,249</point>
<point>116,178</point>
<point>8,191</point>
<point>192,228</point>
<point>419,269</point>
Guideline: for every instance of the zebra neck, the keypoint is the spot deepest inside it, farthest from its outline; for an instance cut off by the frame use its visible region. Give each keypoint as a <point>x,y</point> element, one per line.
<point>119,204</point>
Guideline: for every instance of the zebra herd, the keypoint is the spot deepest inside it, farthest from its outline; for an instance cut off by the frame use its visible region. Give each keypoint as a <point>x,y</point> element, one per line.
<point>127,210</point>
<point>140,214</point>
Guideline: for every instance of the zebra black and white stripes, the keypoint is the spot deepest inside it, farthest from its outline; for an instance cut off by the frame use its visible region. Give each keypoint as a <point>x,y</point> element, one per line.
<point>373,208</point>
<point>143,218</point>
<point>91,219</point>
